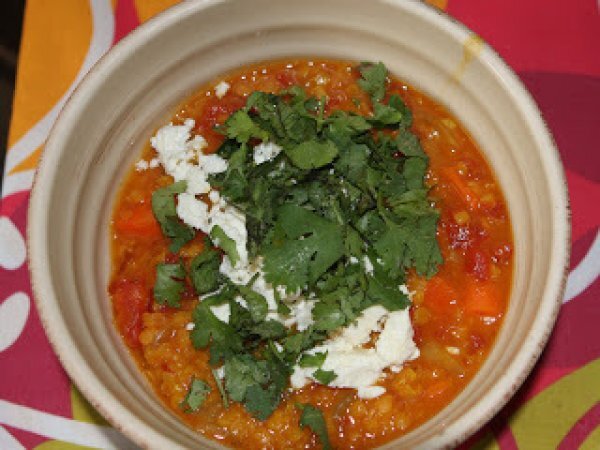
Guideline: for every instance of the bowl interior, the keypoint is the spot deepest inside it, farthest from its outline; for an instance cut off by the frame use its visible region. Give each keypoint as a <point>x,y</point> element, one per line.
<point>136,88</point>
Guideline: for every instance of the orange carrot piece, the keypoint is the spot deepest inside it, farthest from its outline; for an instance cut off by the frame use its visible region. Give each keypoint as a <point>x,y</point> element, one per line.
<point>139,221</point>
<point>440,295</point>
<point>482,298</point>
<point>458,183</point>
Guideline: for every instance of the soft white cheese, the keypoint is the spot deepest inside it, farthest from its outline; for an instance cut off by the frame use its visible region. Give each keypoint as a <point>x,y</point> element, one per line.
<point>301,314</point>
<point>222,312</point>
<point>141,165</point>
<point>360,368</point>
<point>368,265</point>
<point>181,156</point>
<point>265,151</point>
<point>221,89</point>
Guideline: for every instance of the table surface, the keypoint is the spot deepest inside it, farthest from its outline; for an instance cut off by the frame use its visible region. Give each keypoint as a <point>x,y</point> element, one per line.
<point>554,46</point>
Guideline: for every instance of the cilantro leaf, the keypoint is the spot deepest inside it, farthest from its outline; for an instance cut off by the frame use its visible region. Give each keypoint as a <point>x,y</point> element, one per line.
<point>260,402</point>
<point>208,329</point>
<point>197,393</point>
<point>414,171</point>
<point>241,127</point>
<point>412,243</point>
<point>328,316</point>
<point>312,154</point>
<point>165,211</point>
<point>226,243</point>
<point>324,376</point>
<point>220,387</point>
<point>313,418</point>
<point>304,247</point>
<point>312,360</point>
<point>169,284</point>
<point>241,372</point>
<point>384,290</point>
<point>257,304</point>
<point>408,144</point>
<point>373,80</point>
<point>204,270</point>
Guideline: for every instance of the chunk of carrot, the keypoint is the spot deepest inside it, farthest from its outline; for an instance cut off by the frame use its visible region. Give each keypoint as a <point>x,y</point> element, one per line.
<point>482,298</point>
<point>138,221</point>
<point>466,194</point>
<point>440,295</point>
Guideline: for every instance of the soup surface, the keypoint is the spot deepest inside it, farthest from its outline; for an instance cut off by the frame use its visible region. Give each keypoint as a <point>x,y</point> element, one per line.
<point>425,239</point>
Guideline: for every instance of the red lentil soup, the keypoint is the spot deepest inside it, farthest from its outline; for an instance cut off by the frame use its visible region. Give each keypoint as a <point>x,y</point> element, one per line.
<point>456,314</point>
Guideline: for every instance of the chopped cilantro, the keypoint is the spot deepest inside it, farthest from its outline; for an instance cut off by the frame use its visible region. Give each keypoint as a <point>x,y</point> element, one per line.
<point>303,247</point>
<point>313,418</point>
<point>324,376</point>
<point>312,360</point>
<point>226,243</point>
<point>344,187</point>
<point>197,393</point>
<point>204,270</point>
<point>373,79</point>
<point>169,284</point>
<point>223,339</point>
<point>220,387</point>
<point>312,154</point>
<point>165,211</point>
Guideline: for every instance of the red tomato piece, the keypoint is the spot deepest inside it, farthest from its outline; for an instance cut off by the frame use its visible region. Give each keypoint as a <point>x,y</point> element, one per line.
<point>138,221</point>
<point>131,299</point>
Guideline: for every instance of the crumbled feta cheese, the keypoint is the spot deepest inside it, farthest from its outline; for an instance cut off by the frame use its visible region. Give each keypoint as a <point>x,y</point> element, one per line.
<point>222,312</point>
<point>360,368</point>
<point>190,326</point>
<point>141,165</point>
<point>214,196</point>
<point>176,151</point>
<point>453,350</point>
<point>353,260</point>
<point>404,289</point>
<point>368,265</point>
<point>221,89</point>
<point>153,163</point>
<point>266,151</point>
<point>301,314</point>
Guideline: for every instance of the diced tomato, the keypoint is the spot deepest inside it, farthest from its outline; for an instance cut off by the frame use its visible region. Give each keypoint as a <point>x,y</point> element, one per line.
<point>138,221</point>
<point>131,299</point>
<point>287,78</point>
<point>477,263</point>
<point>440,295</point>
<point>217,110</point>
<point>482,298</point>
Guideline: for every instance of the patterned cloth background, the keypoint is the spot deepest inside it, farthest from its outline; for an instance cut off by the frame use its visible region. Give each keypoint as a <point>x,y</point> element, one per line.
<point>554,46</point>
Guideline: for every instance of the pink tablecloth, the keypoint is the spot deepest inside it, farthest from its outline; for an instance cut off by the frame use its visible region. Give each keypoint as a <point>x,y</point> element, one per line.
<point>553,45</point>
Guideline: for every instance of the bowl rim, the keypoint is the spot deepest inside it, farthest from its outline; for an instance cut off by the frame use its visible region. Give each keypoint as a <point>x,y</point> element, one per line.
<point>137,430</point>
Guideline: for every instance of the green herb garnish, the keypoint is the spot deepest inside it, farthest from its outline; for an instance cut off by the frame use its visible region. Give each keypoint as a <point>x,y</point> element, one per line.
<point>338,216</point>
<point>196,396</point>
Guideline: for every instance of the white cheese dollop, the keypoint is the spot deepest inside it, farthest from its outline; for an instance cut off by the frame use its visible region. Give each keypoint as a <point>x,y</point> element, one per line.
<point>266,151</point>
<point>360,368</point>
<point>222,88</point>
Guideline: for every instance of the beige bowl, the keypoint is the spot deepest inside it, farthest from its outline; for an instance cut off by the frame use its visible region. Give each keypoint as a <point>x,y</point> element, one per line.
<point>134,89</point>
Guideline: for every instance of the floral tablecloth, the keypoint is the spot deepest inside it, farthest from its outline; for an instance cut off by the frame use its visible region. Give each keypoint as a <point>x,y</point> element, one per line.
<point>554,46</point>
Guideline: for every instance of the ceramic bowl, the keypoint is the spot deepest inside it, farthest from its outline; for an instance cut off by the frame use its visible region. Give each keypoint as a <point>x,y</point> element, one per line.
<point>135,88</point>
